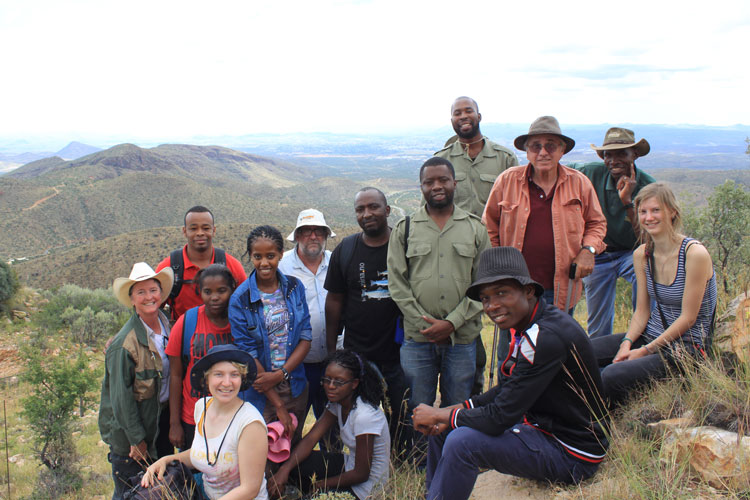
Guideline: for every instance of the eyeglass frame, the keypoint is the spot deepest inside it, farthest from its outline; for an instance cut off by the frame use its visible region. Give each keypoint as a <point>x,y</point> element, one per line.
<point>327,381</point>
<point>320,231</point>
<point>538,146</point>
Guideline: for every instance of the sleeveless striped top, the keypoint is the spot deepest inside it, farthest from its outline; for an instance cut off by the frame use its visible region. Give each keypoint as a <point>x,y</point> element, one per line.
<point>670,299</point>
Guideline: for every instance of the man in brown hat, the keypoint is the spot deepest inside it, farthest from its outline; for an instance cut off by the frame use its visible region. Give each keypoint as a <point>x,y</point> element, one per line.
<point>616,182</point>
<point>559,206</point>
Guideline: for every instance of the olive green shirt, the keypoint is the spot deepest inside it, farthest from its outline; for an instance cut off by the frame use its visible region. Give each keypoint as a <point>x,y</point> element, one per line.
<point>442,265</point>
<point>475,177</point>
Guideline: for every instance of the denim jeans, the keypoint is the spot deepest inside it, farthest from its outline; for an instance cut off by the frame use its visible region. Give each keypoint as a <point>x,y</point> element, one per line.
<point>600,288</point>
<point>422,362</point>
<point>455,457</point>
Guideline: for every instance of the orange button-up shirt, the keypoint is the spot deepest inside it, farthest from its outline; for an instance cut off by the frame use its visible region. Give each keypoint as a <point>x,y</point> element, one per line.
<point>577,220</point>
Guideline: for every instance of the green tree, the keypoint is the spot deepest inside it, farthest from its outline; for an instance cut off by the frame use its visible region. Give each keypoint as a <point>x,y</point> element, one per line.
<point>8,285</point>
<point>724,227</point>
<point>59,386</point>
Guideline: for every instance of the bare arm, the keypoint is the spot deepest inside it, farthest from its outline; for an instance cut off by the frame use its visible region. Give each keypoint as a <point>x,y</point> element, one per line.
<point>155,472</point>
<point>362,463</point>
<point>334,311</point>
<point>642,307</point>
<point>176,434</point>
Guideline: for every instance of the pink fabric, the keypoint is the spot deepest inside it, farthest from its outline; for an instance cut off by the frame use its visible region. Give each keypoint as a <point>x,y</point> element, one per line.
<point>279,442</point>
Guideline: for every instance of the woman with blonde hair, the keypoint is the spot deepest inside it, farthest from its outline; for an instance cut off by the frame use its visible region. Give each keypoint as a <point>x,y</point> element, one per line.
<point>675,273</point>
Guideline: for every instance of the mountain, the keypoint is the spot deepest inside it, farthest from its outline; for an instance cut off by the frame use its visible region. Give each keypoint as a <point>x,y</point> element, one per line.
<point>53,204</point>
<point>75,150</point>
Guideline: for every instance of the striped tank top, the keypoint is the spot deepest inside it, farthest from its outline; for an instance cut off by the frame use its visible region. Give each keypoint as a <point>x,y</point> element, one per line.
<point>670,299</point>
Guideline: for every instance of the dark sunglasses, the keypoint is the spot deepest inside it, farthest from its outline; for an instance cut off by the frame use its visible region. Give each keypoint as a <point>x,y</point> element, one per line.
<point>551,147</point>
<point>307,231</point>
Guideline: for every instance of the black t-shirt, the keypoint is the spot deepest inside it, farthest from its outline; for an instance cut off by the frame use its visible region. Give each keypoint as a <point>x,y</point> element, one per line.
<point>369,314</point>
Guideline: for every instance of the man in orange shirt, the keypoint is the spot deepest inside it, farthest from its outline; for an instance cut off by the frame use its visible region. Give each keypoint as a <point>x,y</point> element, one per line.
<point>557,204</point>
<point>199,252</point>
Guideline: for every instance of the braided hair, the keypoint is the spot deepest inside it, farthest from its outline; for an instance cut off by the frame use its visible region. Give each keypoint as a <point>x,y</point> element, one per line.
<point>268,232</point>
<point>371,386</point>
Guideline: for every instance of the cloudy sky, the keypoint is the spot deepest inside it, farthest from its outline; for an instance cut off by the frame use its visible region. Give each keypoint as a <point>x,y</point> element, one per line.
<point>162,68</point>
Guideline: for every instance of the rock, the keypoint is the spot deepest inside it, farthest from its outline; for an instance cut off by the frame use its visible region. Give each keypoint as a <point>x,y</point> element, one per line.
<point>20,462</point>
<point>732,333</point>
<point>18,314</point>
<point>720,457</point>
<point>75,434</point>
<point>15,458</point>
<point>12,381</point>
<point>671,423</point>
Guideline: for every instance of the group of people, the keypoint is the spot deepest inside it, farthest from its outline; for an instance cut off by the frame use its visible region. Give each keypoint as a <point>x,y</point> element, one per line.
<point>371,334</point>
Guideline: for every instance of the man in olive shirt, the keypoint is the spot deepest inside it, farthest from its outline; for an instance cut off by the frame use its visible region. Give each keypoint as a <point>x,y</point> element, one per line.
<point>476,159</point>
<point>617,181</point>
<point>477,162</point>
<point>430,266</point>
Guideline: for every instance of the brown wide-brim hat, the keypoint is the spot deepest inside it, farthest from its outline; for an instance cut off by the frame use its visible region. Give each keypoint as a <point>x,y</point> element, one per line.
<point>544,125</point>
<point>621,138</point>
<point>501,263</point>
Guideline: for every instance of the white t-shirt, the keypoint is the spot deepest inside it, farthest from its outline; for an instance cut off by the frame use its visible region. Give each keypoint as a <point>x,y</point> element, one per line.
<point>365,419</point>
<point>224,476</point>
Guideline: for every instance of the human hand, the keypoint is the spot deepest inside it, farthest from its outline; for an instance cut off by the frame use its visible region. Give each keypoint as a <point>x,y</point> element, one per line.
<point>584,262</point>
<point>438,331</point>
<point>154,473</point>
<point>425,418</point>
<point>622,353</point>
<point>267,380</point>
<point>286,420</point>
<point>139,453</point>
<point>176,435</point>
<point>626,185</point>
<point>277,483</point>
<point>638,353</point>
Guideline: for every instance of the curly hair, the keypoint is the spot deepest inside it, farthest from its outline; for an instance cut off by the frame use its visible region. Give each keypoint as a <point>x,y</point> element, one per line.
<point>268,232</point>
<point>371,386</point>
<point>214,270</point>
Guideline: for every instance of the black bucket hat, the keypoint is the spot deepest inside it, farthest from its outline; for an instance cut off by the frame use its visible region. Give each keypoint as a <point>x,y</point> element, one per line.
<point>224,352</point>
<point>501,263</point>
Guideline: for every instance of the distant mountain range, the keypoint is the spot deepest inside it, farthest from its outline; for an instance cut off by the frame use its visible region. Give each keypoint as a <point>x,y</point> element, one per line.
<point>72,151</point>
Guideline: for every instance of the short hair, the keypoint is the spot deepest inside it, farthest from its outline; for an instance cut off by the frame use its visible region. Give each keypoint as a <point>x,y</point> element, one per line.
<point>197,209</point>
<point>370,188</point>
<point>241,368</point>
<point>434,162</point>
<point>476,106</point>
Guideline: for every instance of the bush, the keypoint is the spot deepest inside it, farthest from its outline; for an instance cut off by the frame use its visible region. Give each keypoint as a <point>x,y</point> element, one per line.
<point>59,312</point>
<point>87,327</point>
<point>8,285</point>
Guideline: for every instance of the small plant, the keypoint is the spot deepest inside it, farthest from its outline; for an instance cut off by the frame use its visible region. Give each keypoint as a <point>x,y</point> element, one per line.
<point>8,285</point>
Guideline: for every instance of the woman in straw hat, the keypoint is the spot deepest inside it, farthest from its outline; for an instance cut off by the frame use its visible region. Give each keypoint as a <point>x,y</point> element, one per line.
<point>134,413</point>
<point>231,442</point>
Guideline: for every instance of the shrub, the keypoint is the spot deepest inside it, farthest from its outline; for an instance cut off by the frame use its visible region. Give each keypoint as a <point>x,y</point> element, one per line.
<point>88,327</point>
<point>57,313</point>
<point>8,285</point>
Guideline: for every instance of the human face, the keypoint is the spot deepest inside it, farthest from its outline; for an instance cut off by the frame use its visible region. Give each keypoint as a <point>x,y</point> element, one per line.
<point>199,231</point>
<point>438,186</point>
<point>619,161</point>
<point>311,240</point>
<point>465,118</point>
<point>265,257</point>
<point>146,297</point>
<point>654,217</point>
<point>544,161</point>
<point>372,213</point>
<point>336,372</point>
<point>507,303</point>
<point>215,293</point>
<point>224,381</point>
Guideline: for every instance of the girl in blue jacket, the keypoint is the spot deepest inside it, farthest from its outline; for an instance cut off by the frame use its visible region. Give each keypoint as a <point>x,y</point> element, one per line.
<point>270,320</point>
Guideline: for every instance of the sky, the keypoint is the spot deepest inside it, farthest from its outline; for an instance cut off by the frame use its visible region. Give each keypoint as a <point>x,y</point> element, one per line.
<point>169,69</point>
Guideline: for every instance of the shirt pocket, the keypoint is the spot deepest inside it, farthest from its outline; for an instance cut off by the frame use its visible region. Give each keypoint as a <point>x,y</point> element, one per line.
<point>144,385</point>
<point>463,186</point>
<point>484,186</point>
<point>573,216</point>
<point>418,260</point>
<point>463,261</point>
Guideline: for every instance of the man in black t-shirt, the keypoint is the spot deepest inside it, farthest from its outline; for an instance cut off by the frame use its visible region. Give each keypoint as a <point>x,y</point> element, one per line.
<point>359,302</point>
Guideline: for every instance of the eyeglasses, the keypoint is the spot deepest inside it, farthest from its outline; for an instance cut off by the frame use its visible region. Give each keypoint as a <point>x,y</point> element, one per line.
<point>336,382</point>
<point>551,147</point>
<point>320,232</point>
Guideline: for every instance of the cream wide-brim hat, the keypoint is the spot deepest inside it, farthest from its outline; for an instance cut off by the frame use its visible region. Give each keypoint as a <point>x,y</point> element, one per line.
<point>142,272</point>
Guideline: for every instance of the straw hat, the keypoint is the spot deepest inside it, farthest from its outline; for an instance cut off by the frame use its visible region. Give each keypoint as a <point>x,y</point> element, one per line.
<point>142,272</point>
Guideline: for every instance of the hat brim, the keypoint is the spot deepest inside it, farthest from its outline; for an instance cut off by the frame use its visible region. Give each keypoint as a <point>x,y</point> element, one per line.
<point>641,147</point>
<point>121,286</point>
<point>473,291</point>
<point>197,373</point>
<point>520,141</point>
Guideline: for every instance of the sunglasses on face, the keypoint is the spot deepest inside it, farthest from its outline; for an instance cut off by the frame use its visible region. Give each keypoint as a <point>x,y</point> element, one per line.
<point>551,147</point>
<point>336,383</point>
<point>307,231</point>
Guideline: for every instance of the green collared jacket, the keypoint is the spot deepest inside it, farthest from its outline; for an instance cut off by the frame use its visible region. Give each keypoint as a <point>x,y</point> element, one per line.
<point>475,177</point>
<point>442,265</point>
<point>129,410</point>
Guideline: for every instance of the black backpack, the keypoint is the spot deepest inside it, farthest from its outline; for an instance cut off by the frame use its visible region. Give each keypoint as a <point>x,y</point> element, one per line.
<point>178,484</point>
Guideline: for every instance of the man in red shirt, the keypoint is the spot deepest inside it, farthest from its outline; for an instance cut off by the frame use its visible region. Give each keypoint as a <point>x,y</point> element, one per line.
<point>199,252</point>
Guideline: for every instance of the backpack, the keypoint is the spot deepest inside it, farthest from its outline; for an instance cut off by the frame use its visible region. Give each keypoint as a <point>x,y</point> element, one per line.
<point>178,266</point>
<point>178,484</point>
<point>188,329</point>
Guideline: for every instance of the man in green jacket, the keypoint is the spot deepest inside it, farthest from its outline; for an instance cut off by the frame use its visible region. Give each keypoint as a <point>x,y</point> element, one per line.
<point>428,281</point>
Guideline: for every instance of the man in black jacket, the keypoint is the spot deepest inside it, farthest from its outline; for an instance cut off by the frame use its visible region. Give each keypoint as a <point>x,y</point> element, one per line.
<point>545,419</point>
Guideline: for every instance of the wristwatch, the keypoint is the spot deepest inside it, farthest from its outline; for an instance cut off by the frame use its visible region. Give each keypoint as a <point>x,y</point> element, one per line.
<point>286,373</point>
<point>590,249</point>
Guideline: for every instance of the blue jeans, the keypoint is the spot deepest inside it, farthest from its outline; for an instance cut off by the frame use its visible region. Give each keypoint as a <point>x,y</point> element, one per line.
<point>317,396</point>
<point>422,362</point>
<point>600,289</point>
<point>455,457</point>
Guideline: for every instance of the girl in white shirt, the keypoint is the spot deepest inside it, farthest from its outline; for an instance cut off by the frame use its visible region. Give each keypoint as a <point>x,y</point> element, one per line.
<point>354,391</point>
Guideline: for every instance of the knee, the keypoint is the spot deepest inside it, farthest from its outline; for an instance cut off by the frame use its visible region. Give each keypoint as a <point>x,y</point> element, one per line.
<point>458,443</point>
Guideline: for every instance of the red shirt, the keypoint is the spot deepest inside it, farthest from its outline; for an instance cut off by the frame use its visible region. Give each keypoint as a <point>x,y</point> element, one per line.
<point>205,337</point>
<point>539,245</point>
<point>188,298</point>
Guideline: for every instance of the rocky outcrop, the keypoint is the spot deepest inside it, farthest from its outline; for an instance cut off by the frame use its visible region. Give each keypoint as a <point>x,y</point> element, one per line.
<point>732,333</point>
